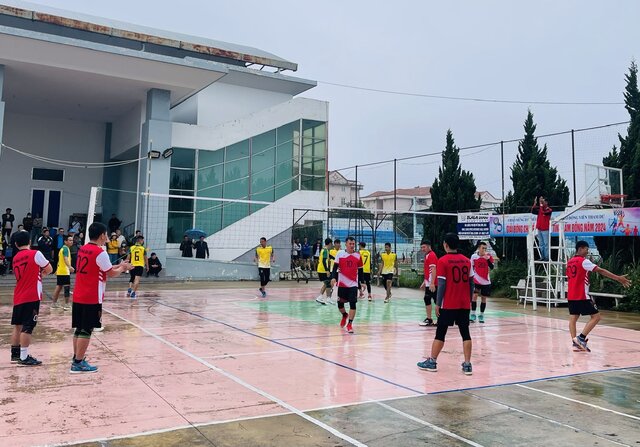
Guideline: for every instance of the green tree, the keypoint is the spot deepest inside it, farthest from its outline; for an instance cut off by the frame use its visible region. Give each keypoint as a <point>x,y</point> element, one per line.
<point>453,190</point>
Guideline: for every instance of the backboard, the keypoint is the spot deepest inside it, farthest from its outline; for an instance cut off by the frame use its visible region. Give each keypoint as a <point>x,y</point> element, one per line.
<point>603,186</point>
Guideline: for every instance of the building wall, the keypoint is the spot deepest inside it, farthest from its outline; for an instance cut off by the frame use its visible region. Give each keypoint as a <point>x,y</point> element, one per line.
<point>61,139</point>
<point>125,132</point>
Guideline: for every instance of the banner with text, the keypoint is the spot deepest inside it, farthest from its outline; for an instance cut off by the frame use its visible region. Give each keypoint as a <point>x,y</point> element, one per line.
<point>473,225</point>
<point>587,222</point>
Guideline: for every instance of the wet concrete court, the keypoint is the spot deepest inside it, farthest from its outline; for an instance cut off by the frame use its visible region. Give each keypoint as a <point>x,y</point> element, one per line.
<point>198,364</point>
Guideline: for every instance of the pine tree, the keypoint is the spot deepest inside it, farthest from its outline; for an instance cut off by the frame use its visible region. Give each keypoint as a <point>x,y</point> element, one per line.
<point>453,190</point>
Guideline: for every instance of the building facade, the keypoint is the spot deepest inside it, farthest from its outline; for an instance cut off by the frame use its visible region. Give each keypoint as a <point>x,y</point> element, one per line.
<point>417,199</point>
<point>343,192</point>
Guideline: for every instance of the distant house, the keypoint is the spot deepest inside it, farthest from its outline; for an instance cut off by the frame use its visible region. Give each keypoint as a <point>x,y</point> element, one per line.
<point>343,191</point>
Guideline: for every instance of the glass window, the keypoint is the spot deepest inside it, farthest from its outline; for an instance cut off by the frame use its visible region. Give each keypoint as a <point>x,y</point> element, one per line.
<point>209,216</point>
<point>284,171</point>
<point>266,195</point>
<point>263,141</point>
<point>262,181</point>
<point>288,132</point>
<point>183,158</point>
<point>263,160</point>
<point>238,150</point>
<point>285,152</point>
<point>182,179</point>
<point>238,189</point>
<point>214,192</point>
<point>180,204</point>
<point>236,169</point>
<point>210,158</point>
<point>314,129</point>
<point>178,223</point>
<point>287,187</point>
<point>51,175</point>
<point>313,148</point>
<point>313,166</point>
<point>311,183</point>
<point>233,212</point>
<point>210,176</point>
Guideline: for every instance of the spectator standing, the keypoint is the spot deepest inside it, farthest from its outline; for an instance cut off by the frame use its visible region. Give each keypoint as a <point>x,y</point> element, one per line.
<point>114,223</point>
<point>186,247</point>
<point>45,245</point>
<point>113,248</point>
<point>7,224</point>
<point>37,228</point>
<point>202,249</point>
<point>27,225</point>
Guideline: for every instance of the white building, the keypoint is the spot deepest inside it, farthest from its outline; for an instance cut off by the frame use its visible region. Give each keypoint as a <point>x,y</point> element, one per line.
<point>86,99</point>
<point>416,199</point>
<point>343,191</point>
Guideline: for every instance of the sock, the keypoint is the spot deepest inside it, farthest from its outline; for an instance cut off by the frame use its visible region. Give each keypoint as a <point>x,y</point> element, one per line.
<point>24,352</point>
<point>474,305</point>
<point>75,360</point>
<point>345,315</point>
<point>483,306</point>
<point>15,351</point>
<point>582,336</point>
<point>350,321</point>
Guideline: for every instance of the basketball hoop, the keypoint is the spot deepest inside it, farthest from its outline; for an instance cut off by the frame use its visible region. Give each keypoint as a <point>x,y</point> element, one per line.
<point>612,199</point>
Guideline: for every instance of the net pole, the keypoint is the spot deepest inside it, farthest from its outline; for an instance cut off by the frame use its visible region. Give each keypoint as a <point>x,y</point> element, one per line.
<point>573,160</point>
<point>91,212</point>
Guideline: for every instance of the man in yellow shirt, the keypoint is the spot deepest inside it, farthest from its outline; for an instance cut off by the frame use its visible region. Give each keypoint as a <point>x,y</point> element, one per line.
<point>337,246</point>
<point>63,274</point>
<point>365,272</point>
<point>264,258</point>
<point>138,258</point>
<point>388,268</point>
<point>324,273</point>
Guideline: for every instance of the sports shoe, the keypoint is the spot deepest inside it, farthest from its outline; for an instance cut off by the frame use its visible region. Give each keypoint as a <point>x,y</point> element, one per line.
<point>481,318</point>
<point>133,295</point>
<point>343,322</point>
<point>264,293</point>
<point>427,322</point>
<point>582,342</point>
<point>349,328</point>
<point>386,300</point>
<point>55,305</point>
<point>29,361</point>
<point>370,298</point>
<point>129,290</point>
<point>15,359</point>
<point>66,307</point>
<point>429,365</point>
<point>320,300</point>
<point>82,367</point>
<point>472,318</point>
<point>98,329</point>
<point>466,368</point>
<point>576,347</point>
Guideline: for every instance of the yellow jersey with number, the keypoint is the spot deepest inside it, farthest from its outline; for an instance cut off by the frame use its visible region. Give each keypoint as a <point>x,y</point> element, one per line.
<point>366,261</point>
<point>62,269</point>
<point>264,256</point>
<point>324,255</point>
<point>137,253</point>
<point>332,257</point>
<point>388,262</point>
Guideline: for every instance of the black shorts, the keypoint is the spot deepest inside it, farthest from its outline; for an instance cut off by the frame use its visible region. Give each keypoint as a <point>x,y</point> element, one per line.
<point>325,278</point>
<point>63,280</point>
<point>348,295</point>
<point>387,276</point>
<point>295,257</point>
<point>430,296</point>
<point>582,307</point>
<point>86,316</point>
<point>136,271</point>
<point>449,317</point>
<point>25,314</point>
<point>364,277</point>
<point>483,289</point>
<point>305,256</point>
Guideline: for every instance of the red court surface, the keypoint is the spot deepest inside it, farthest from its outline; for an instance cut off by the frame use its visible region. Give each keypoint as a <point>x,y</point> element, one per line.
<point>178,359</point>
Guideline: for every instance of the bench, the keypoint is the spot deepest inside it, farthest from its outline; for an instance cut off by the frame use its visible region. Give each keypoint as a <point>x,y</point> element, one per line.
<point>616,296</point>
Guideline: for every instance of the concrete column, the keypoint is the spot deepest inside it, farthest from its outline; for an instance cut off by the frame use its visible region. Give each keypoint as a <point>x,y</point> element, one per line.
<point>1,105</point>
<point>154,174</point>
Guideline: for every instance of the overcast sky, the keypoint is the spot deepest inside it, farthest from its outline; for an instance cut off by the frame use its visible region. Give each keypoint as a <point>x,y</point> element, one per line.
<point>569,51</point>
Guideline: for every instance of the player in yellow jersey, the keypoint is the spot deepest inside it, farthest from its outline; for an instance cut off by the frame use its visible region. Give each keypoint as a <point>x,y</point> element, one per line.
<point>324,273</point>
<point>138,258</point>
<point>264,258</point>
<point>388,268</point>
<point>333,252</point>
<point>63,274</point>
<point>364,273</point>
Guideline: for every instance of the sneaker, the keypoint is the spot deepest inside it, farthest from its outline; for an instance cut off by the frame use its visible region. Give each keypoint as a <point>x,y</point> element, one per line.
<point>66,307</point>
<point>481,318</point>
<point>343,322</point>
<point>466,368</point>
<point>370,298</point>
<point>29,361</point>
<point>582,342</point>
<point>320,300</point>
<point>133,295</point>
<point>349,328</point>
<point>55,305</point>
<point>424,322</point>
<point>98,329</point>
<point>129,290</point>
<point>15,359</point>
<point>263,293</point>
<point>386,300</point>
<point>472,318</point>
<point>429,365</point>
<point>82,367</point>
<point>576,347</point>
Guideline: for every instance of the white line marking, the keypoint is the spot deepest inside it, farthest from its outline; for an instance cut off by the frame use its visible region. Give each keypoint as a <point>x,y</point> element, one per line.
<point>430,425</point>
<point>631,372</point>
<point>239,381</point>
<point>597,407</point>
<point>553,421</point>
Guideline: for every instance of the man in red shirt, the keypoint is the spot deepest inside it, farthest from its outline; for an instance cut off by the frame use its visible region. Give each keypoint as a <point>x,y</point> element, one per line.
<point>429,283</point>
<point>348,261</point>
<point>455,289</point>
<point>93,266</point>
<point>28,267</point>
<point>580,303</point>
<point>542,224</point>
<point>482,264</point>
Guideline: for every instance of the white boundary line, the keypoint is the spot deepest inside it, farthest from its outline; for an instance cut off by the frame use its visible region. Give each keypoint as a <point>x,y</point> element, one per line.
<point>597,407</point>
<point>630,372</point>
<point>241,382</point>
<point>430,425</point>
<point>553,421</point>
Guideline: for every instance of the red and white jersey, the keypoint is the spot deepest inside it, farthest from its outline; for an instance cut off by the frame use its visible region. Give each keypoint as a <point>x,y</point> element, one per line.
<point>348,263</point>
<point>481,269</point>
<point>455,269</point>
<point>430,264</point>
<point>27,267</point>
<point>578,269</point>
<point>91,274</point>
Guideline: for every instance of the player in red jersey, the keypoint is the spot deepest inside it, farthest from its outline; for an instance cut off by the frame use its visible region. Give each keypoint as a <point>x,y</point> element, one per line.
<point>429,283</point>
<point>93,266</point>
<point>28,267</point>
<point>348,261</point>
<point>580,303</point>
<point>455,289</point>
<point>482,264</point>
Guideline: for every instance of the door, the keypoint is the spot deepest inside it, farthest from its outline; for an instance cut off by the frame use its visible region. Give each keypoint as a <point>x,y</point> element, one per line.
<point>46,203</point>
